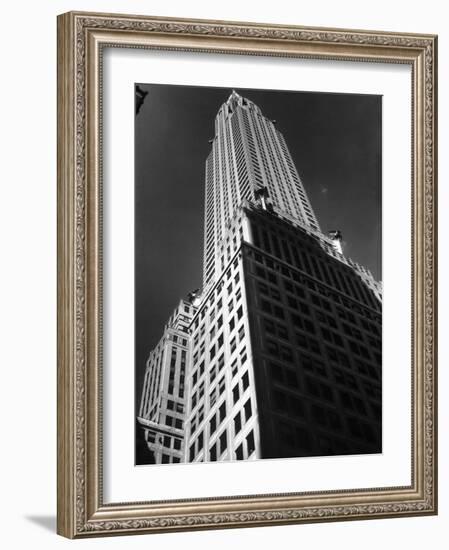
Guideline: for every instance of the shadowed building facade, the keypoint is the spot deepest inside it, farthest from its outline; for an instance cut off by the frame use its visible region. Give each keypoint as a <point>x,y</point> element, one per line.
<point>284,341</point>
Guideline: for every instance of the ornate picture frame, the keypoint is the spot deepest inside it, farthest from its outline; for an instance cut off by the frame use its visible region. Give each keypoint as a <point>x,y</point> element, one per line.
<point>82,40</point>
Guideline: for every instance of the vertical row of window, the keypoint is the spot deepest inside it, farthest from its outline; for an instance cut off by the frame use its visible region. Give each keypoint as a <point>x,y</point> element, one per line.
<point>216,416</point>
<point>304,201</point>
<point>283,191</point>
<point>209,226</point>
<point>240,159</point>
<point>151,390</point>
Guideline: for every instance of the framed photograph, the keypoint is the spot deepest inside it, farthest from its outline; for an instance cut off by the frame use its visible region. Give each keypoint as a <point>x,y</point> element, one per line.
<point>246,274</point>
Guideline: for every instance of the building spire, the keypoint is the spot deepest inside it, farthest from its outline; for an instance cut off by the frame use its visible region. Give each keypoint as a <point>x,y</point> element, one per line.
<point>233,98</point>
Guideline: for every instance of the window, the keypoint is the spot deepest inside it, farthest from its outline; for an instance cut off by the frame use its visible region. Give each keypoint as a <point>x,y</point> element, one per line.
<point>221,361</point>
<point>222,411</point>
<point>346,379</point>
<point>223,442</point>
<point>239,452</point>
<point>269,325</point>
<point>213,397</point>
<point>319,414</point>
<point>211,314</point>
<point>245,380</point>
<point>279,402</point>
<point>278,312</point>
<point>276,372</point>
<point>272,347</point>
<point>286,354</point>
<point>200,441</point>
<point>212,352</point>
<point>309,326</point>
<point>201,368</point>
<point>213,452</point>
<point>288,286</point>
<point>212,425</point>
<point>352,402</point>
<point>234,368</point>
<point>221,385</point>
<point>235,393</point>
<point>212,374</point>
<point>292,380</point>
<point>248,410</point>
<point>282,331</point>
<point>237,423</point>
<point>233,344</point>
<point>297,320</point>
<point>297,407</point>
<point>263,288</point>
<point>220,340</point>
<point>250,443</point>
<point>354,427</point>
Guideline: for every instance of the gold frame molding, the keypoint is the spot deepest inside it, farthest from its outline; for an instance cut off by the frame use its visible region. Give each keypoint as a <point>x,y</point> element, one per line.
<point>81,39</point>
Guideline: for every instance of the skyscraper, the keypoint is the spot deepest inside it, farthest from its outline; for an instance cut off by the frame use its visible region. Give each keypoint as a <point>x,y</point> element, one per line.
<point>163,403</point>
<point>249,159</point>
<point>284,339</point>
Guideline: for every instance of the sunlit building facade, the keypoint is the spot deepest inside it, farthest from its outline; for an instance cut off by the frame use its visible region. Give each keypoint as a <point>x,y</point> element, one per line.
<point>163,403</point>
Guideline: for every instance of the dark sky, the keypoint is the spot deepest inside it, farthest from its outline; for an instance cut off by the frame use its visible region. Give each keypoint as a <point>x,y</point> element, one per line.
<point>335,142</point>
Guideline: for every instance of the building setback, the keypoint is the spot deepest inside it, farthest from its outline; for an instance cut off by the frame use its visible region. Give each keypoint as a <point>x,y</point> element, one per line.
<point>163,404</point>
<point>283,345</point>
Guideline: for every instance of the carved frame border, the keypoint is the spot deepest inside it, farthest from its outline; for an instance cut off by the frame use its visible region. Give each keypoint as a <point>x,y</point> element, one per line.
<point>81,39</point>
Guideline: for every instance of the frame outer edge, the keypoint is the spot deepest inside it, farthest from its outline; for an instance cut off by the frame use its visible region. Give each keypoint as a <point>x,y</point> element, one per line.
<point>435,269</point>
<point>75,399</point>
<point>65,525</point>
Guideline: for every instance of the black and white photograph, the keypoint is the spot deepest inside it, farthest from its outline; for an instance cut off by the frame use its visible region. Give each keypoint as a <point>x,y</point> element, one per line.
<point>258,274</point>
